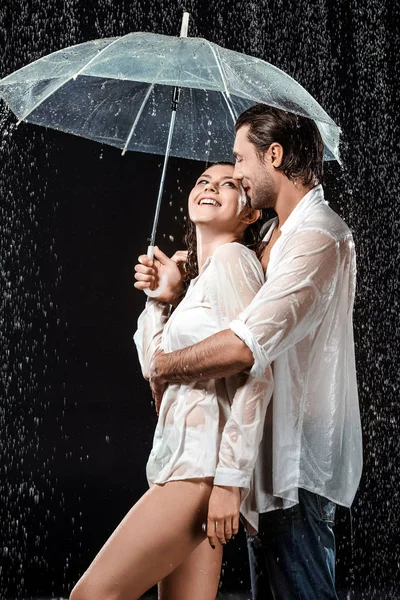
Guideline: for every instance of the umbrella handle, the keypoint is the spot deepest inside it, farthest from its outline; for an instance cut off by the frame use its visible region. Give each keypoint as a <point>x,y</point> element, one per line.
<point>164,278</point>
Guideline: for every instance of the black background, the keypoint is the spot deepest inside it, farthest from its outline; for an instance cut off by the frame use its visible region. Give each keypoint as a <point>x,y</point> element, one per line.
<point>76,420</point>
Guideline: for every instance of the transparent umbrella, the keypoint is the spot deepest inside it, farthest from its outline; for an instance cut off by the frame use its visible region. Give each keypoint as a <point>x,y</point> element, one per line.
<point>117,91</point>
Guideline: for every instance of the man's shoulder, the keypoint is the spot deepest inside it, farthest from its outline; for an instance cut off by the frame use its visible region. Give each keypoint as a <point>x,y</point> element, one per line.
<point>325,219</point>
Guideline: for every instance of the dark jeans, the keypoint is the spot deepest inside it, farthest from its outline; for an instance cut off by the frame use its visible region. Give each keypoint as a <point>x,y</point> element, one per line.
<point>293,555</point>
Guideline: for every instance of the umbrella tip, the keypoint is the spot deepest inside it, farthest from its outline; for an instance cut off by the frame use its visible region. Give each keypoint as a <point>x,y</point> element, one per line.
<point>185,24</point>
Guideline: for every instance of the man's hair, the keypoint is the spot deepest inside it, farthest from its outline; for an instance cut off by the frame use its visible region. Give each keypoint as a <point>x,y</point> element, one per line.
<point>303,149</point>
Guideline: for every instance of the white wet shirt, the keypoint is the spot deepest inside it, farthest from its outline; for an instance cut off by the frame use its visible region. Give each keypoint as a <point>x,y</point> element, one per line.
<point>208,427</point>
<point>301,321</point>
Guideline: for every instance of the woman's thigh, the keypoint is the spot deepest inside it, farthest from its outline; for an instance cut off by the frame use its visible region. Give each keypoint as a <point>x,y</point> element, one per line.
<point>196,578</point>
<point>154,538</point>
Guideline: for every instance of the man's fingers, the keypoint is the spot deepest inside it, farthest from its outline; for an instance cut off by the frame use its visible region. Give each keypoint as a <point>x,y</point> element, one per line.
<point>157,401</point>
<point>157,390</point>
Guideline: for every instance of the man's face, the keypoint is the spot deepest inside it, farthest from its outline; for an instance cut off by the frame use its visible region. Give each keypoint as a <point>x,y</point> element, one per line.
<point>258,176</point>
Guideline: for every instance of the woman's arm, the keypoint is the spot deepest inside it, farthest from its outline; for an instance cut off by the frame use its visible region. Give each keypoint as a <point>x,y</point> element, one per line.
<point>148,335</point>
<point>156,313</point>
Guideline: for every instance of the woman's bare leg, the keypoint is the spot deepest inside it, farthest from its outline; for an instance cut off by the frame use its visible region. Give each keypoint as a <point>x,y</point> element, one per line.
<point>154,538</point>
<point>196,578</point>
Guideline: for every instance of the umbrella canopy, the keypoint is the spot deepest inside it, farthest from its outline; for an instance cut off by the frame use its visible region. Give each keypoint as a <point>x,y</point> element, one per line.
<point>117,91</point>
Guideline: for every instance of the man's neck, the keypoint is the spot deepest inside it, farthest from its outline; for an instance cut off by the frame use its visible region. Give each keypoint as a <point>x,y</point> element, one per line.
<point>288,198</point>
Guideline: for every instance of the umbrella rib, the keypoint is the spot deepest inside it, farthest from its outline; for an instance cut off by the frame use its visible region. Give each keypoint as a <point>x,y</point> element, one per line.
<point>139,114</point>
<point>227,95</point>
<point>39,102</point>
<point>97,55</point>
<point>219,68</point>
<point>230,107</point>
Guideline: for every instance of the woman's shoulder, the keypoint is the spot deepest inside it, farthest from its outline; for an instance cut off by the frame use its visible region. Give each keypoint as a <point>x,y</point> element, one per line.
<point>235,273</point>
<point>238,260</point>
<point>234,251</point>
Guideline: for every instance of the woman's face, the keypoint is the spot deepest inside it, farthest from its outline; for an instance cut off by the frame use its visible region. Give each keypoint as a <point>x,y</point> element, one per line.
<point>217,199</point>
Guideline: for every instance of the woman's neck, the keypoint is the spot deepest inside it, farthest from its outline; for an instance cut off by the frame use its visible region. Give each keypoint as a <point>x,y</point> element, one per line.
<point>209,241</point>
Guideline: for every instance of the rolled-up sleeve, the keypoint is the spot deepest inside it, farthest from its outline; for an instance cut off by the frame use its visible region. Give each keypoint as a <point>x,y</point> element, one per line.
<point>293,301</point>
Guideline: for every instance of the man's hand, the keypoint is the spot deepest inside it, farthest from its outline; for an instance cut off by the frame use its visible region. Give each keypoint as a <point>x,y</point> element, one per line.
<point>157,391</point>
<point>156,384</point>
<point>223,514</point>
<point>149,271</point>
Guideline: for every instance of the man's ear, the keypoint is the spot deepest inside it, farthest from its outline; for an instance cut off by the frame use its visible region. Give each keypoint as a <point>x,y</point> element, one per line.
<point>275,154</point>
<point>251,216</point>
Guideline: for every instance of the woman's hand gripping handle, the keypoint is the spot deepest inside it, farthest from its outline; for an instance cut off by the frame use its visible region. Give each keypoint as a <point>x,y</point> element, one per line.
<point>159,276</point>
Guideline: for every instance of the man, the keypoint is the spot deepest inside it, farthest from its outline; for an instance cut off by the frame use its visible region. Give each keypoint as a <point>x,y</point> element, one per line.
<point>301,321</point>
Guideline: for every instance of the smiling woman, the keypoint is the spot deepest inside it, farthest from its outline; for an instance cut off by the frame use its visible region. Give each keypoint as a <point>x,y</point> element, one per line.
<point>203,426</point>
<point>215,187</point>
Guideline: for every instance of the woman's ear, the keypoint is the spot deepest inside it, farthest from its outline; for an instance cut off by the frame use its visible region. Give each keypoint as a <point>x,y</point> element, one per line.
<point>251,216</point>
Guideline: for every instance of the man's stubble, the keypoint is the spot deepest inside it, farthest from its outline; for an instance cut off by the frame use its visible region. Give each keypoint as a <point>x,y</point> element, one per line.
<point>264,193</point>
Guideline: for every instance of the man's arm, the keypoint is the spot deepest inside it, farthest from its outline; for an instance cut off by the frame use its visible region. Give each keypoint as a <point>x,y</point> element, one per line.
<point>288,306</point>
<point>220,355</point>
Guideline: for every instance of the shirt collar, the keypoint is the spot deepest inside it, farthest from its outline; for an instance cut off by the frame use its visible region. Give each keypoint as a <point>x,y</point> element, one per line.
<point>310,200</point>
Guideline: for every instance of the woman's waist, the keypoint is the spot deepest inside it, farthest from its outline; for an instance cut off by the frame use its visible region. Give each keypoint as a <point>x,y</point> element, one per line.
<point>182,333</point>
<point>196,401</point>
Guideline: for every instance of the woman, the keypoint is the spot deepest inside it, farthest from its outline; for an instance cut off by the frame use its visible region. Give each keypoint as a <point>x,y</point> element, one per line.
<point>199,438</point>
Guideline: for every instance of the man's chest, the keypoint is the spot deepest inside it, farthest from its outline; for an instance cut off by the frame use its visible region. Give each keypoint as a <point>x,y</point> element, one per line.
<point>265,255</point>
